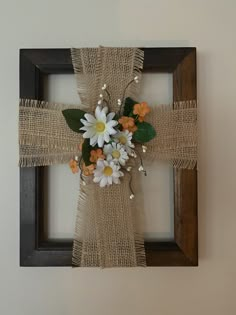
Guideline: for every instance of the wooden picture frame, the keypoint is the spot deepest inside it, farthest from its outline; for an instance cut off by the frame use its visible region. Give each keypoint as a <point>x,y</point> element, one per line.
<point>35,248</point>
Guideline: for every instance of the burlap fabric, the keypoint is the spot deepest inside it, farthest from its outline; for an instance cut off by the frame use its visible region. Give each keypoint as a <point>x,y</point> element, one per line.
<point>108,225</point>
<point>44,135</point>
<point>113,66</point>
<point>110,236</point>
<point>176,139</point>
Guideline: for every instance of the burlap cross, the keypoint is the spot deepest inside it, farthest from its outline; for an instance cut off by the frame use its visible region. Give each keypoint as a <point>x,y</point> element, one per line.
<point>108,226</point>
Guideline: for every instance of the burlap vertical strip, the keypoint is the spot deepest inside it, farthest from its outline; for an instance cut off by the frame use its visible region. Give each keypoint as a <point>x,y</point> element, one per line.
<point>115,67</point>
<point>108,234</point>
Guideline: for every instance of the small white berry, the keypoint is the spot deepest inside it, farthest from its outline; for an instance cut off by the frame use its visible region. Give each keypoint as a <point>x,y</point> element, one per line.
<point>131,196</point>
<point>140,168</point>
<point>129,168</point>
<point>144,148</point>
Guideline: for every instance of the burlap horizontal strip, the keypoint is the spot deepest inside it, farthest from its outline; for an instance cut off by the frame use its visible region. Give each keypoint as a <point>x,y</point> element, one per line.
<point>176,138</point>
<point>44,135</point>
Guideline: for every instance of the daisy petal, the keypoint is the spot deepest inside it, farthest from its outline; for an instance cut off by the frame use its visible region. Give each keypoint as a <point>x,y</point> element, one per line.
<point>97,112</point>
<point>103,182</point>
<point>116,180</point>
<point>107,149</point>
<point>105,110</point>
<point>111,131</point>
<point>89,133</point>
<point>83,128</point>
<point>98,172</point>
<point>116,174</point>
<point>102,117</point>
<point>109,157</point>
<point>100,141</point>
<point>122,162</point>
<point>105,163</point>
<point>110,116</point>
<point>97,179</point>
<point>106,137</point>
<point>112,123</point>
<point>94,140</point>
<point>86,123</point>
<point>90,118</point>
<point>109,180</point>
<point>100,163</point>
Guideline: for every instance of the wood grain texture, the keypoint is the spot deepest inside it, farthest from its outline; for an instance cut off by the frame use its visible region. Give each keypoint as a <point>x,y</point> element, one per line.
<point>186,224</point>
<point>35,248</point>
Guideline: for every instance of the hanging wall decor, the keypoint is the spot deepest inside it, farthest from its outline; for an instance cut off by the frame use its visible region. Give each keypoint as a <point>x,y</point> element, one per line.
<point>106,141</point>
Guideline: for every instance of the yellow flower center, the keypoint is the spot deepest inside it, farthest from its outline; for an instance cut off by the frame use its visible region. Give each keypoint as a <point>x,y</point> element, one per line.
<point>116,154</point>
<point>122,139</point>
<point>100,126</point>
<point>107,171</point>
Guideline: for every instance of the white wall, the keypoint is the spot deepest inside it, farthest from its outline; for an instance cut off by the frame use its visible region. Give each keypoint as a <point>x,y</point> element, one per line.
<point>210,288</point>
<point>156,192</point>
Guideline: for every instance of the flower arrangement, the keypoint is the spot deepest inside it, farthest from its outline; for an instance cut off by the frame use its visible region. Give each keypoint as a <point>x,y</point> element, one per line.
<point>110,138</point>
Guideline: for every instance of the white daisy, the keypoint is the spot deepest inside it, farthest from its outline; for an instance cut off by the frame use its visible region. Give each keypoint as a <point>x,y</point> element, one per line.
<point>99,128</point>
<point>107,173</point>
<point>124,138</point>
<point>115,152</point>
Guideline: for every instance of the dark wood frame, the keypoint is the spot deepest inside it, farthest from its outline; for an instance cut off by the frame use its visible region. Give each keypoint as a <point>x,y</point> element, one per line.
<point>35,249</point>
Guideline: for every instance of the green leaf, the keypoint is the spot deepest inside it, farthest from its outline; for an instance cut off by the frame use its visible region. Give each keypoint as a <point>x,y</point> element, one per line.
<point>129,106</point>
<point>72,117</point>
<point>116,117</point>
<point>86,148</point>
<point>144,133</point>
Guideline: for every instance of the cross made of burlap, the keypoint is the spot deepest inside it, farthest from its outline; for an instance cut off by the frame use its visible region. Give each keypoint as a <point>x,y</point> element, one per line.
<point>108,229</point>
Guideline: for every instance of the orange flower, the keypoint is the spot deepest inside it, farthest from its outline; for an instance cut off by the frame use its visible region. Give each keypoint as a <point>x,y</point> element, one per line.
<point>74,166</point>
<point>132,129</point>
<point>141,119</point>
<point>88,170</point>
<point>141,110</point>
<point>95,155</point>
<point>126,122</point>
